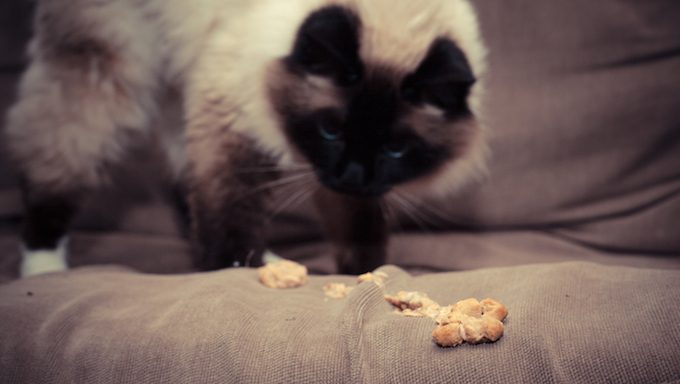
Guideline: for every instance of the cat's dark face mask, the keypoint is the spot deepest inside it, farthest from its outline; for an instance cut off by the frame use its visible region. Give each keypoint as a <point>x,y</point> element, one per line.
<point>378,134</point>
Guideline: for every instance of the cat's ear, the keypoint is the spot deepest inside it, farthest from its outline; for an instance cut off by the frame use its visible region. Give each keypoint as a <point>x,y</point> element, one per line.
<point>443,79</point>
<point>327,44</point>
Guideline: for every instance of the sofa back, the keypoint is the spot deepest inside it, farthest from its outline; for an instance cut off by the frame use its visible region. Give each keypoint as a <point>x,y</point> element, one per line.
<point>584,109</point>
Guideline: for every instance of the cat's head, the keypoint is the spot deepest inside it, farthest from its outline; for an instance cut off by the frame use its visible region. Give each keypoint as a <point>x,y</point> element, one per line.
<point>375,101</point>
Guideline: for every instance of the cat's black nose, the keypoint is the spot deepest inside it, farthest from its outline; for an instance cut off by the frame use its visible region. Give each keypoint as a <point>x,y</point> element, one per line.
<point>353,178</point>
<point>352,175</point>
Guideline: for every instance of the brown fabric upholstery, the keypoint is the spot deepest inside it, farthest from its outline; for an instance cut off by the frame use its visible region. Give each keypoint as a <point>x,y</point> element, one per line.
<point>583,103</point>
<point>567,323</point>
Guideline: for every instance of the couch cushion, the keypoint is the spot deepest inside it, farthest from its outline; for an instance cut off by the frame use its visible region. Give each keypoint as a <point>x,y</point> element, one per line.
<point>570,323</point>
<point>582,103</point>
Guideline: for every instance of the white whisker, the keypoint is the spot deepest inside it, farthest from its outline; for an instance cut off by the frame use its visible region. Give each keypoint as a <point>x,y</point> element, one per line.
<point>295,199</point>
<point>273,169</point>
<point>435,217</point>
<point>278,182</point>
<point>270,186</point>
<point>391,213</point>
<point>410,210</point>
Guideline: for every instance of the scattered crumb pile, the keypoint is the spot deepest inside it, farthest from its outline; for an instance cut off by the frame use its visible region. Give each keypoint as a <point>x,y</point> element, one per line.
<point>415,304</point>
<point>341,290</point>
<point>337,290</point>
<point>468,320</point>
<point>283,274</point>
<point>378,278</point>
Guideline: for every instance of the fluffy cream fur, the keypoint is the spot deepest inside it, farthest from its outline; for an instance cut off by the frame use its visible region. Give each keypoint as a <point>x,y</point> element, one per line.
<point>98,66</point>
<point>226,88</point>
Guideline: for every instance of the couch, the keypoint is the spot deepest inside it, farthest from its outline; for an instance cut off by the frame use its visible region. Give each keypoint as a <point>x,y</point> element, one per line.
<point>576,229</point>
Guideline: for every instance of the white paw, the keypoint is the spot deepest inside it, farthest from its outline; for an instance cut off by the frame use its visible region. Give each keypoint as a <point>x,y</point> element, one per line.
<point>36,262</point>
<point>271,257</point>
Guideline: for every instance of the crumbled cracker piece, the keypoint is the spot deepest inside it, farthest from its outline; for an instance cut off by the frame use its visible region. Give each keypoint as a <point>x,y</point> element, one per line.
<point>283,274</point>
<point>468,320</point>
<point>341,290</point>
<point>469,307</point>
<point>494,309</point>
<point>414,304</point>
<point>447,335</point>
<point>472,322</point>
<point>376,277</point>
<point>336,290</point>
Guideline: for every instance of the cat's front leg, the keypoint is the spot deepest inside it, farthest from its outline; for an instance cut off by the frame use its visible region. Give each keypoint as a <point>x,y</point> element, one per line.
<point>228,199</point>
<point>358,228</point>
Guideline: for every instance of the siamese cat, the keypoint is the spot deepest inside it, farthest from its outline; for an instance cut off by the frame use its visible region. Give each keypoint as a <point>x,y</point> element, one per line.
<point>358,101</point>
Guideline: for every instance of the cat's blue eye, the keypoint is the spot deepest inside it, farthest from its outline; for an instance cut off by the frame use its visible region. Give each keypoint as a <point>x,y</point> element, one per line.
<point>329,132</point>
<point>396,150</point>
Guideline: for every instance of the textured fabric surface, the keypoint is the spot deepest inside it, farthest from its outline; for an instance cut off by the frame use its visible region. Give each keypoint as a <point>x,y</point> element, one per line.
<point>567,324</point>
<point>583,105</point>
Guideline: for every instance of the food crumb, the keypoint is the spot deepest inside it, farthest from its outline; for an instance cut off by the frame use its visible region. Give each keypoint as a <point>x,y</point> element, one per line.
<point>468,320</point>
<point>337,290</point>
<point>378,278</point>
<point>283,274</point>
<point>414,304</point>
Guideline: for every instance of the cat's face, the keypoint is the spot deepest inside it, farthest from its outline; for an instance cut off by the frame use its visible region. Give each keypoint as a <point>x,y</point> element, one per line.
<point>366,127</point>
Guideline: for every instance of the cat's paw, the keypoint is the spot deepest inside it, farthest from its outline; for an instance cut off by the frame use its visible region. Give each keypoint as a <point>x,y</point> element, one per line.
<point>270,257</point>
<point>36,262</point>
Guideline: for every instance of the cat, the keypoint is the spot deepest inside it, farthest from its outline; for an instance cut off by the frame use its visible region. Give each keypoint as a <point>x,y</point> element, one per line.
<point>362,101</point>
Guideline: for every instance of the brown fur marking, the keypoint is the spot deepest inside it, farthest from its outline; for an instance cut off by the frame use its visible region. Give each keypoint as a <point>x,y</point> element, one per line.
<point>228,207</point>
